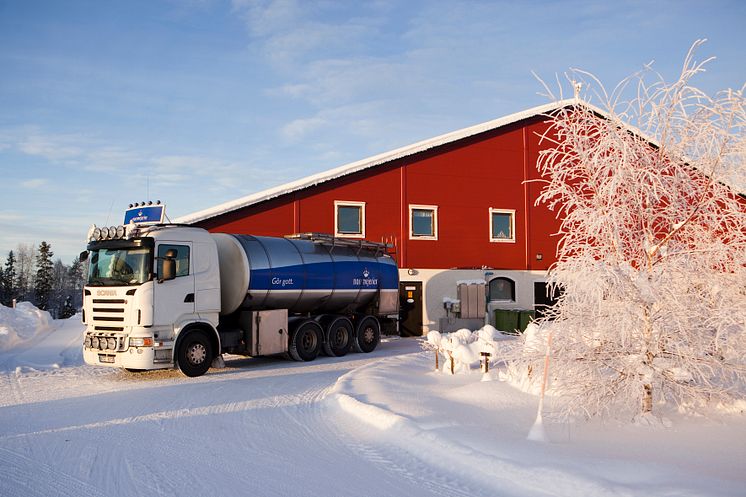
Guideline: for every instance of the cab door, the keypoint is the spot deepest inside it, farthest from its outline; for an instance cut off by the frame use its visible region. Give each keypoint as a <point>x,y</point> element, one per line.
<point>174,299</point>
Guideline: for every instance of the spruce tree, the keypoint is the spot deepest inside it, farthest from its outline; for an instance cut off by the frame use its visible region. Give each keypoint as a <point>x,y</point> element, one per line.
<point>77,278</point>
<point>43,282</point>
<point>7,279</point>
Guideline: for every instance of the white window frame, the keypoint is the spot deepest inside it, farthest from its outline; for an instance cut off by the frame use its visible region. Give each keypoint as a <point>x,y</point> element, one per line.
<point>349,203</point>
<point>511,212</point>
<point>434,209</point>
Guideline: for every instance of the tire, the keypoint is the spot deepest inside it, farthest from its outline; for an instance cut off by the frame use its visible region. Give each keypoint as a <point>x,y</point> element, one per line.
<point>367,334</point>
<point>305,341</point>
<point>338,336</point>
<point>194,355</point>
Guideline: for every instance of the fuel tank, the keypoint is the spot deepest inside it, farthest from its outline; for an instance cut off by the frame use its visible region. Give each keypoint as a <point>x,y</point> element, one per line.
<point>304,275</point>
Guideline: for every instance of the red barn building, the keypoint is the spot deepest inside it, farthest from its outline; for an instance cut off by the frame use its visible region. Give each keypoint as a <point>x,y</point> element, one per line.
<point>457,207</point>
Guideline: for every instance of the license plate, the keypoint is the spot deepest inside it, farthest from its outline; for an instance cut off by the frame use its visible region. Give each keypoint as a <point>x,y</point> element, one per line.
<point>106,358</point>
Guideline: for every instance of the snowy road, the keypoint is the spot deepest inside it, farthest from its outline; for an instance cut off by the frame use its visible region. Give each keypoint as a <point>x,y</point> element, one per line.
<point>379,424</point>
<point>260,427</point>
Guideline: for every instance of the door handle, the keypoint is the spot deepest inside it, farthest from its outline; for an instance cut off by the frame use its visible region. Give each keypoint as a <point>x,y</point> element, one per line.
<point>189,298</point>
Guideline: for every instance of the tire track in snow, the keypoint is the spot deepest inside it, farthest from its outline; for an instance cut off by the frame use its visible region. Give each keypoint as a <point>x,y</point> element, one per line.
<point>320,422</point>
<point>24,477</point>
<point>187,412</point>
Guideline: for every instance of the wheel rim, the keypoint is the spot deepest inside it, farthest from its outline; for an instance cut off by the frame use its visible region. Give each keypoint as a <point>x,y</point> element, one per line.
<point>369,334</point>
<point>308,340</point>
<point>196,353</point>
<point>340,337</point>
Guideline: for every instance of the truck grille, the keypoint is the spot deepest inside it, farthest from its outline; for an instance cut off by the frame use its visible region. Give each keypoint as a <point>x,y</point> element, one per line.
<point>108,314</point>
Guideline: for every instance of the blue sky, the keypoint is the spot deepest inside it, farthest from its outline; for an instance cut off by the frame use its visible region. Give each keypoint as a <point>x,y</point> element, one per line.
<point>198,102</point>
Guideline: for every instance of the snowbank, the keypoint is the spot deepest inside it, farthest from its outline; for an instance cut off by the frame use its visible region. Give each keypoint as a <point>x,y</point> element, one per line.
<point>477,432</point>
<point>22,324</point>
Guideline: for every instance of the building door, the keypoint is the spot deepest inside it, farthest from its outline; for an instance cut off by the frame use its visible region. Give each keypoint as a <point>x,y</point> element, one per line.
<point>410,308</point>
<point>543,300</point>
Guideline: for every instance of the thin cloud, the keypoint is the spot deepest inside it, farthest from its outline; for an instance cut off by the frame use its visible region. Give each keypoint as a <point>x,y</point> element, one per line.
<point>35,184</point>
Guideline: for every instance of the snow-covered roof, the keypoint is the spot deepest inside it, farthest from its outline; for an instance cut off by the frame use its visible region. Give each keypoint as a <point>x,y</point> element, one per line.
<point>376,160</point>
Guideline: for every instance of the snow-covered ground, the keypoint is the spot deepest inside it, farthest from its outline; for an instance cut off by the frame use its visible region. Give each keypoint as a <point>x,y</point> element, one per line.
<point>366,424</point>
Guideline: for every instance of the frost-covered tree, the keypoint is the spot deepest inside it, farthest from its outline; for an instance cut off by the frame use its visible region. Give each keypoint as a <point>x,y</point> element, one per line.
<point>25,256</point>
<point>44,280</point>
<point>652,256</point>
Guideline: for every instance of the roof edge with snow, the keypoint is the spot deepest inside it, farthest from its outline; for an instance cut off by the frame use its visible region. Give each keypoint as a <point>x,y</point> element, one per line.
<point>377,160</point>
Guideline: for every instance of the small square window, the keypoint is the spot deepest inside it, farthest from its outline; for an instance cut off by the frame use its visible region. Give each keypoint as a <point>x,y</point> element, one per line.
<point>349,219</point>
<point>502,225</point>
<point>423,222</point>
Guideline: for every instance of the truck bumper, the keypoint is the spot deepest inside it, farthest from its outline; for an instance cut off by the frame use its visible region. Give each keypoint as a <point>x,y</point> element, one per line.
<point>133,358</point>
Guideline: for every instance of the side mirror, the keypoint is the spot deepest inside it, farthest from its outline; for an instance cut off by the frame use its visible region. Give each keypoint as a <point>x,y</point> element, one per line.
<point>169,269</point>
<point>83,256</point>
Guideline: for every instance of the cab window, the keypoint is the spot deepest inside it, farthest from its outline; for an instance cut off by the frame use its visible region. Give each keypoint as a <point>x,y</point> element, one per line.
<point>180,255</point>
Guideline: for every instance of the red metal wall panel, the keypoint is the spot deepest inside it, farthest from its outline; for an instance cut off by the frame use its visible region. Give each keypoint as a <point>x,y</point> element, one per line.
<point>463,179</point>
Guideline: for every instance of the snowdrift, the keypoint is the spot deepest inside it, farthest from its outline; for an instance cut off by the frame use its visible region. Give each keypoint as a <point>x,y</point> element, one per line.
<point>22,324</point>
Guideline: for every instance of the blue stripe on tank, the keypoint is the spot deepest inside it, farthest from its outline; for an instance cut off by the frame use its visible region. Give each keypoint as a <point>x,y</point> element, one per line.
<point>341,275</point>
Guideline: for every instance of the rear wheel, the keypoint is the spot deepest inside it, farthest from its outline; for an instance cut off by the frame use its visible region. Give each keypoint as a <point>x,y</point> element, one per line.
<point>367,334</point>
<point>338,334</point>
<point>194,354</point>
<point>305,341</point>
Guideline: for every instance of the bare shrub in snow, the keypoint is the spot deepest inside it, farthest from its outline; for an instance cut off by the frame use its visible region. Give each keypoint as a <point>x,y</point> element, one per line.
<point>652,257</point>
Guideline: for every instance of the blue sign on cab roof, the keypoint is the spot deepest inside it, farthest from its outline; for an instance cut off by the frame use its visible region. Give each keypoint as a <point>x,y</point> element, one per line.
<point>144,214</point>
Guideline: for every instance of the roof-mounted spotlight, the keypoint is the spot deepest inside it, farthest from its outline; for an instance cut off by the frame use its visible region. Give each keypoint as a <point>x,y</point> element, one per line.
<point>131,206</point>
<point>150,202</point>
<point>157,202</point>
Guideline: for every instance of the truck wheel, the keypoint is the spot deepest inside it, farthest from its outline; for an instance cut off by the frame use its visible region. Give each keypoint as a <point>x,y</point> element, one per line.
<point>338,336</point>
<point>305,341</point>
<point>195,354</point>
<point>367,334</point>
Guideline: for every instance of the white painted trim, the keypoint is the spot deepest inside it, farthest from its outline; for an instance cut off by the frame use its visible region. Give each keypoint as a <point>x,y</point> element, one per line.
<point>433,208</point>
<point>349,203</point>
<point>512,238</point>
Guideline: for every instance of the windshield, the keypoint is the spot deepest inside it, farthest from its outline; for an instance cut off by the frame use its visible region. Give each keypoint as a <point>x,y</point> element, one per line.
<point>119,266</point>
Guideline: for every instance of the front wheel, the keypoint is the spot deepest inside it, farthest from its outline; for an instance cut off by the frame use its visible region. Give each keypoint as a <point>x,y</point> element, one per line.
<point>194,354</point>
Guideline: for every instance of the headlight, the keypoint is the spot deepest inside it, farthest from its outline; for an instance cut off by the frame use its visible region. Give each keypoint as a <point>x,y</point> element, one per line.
<point>104,233</point>
<point>97,233</point>
<point>94,342</point>
<point>112,343</point>
<point>112,231</point>
<point>87,342</point>
<point>120,231</point>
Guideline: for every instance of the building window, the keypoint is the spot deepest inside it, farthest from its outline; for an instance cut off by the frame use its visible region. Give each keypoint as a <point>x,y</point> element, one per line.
<point>349,219</point>
<point>502,225</point>
<point>180,253</point>
<point>502,290</point>
<point>423,222</point>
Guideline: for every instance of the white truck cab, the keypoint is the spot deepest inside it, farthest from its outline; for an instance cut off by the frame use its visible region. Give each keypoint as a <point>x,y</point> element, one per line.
<point>146,286</point>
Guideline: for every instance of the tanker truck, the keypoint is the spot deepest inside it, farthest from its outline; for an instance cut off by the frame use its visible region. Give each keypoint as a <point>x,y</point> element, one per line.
<point>162,296</point>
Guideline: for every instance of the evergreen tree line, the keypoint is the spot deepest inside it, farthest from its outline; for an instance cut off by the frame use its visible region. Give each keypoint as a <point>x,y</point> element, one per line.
<point>30,274</point>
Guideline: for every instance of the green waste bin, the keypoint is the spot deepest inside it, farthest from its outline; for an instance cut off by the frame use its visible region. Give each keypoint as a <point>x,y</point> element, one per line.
<point>506,320</point>
<point>513,321</point>
<point>524,318</point>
